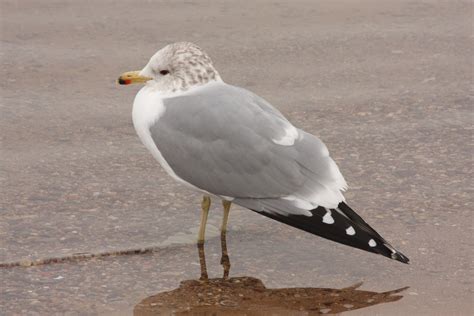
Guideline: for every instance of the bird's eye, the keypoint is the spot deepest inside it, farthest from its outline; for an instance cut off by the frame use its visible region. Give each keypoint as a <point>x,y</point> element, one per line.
<point>164,72</point>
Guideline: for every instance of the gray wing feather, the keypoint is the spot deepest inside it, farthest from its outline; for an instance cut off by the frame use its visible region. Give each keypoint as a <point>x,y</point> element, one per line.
<point>221,141</point>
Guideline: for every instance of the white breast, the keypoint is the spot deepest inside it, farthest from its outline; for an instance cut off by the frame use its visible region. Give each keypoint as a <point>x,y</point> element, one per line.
<point>148,108</point>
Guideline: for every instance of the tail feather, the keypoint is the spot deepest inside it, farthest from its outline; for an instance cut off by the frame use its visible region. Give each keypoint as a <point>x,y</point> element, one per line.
<point>341,225</point>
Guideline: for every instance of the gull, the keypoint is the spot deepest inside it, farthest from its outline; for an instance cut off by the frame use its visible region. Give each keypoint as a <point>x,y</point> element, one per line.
<point>228,143</point>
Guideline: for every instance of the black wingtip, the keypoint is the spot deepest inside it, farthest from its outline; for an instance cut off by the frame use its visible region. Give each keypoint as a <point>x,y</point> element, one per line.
<point>388,251</point>
<point>400,257</point>
<point>345,227</point>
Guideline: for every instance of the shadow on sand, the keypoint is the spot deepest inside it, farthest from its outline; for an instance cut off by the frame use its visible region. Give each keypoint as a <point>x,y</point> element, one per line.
<point>249,296</point>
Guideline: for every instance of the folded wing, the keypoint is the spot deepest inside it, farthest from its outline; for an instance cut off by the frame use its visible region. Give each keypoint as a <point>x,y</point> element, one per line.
<point>240,146</point>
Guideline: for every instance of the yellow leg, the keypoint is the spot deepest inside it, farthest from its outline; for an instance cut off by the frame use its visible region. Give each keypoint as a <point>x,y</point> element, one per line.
<point>225,261</point>
<point>225,218</point>
<point>205,205</point>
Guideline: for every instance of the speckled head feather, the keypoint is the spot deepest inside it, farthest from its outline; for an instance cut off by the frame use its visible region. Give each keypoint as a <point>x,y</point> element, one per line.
<point>180,66</point>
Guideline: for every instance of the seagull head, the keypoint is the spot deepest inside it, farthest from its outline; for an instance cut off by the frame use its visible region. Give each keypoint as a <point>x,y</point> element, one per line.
<point>175,67</point>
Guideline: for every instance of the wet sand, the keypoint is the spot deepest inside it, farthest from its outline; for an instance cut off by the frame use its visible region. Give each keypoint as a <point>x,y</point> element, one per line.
<point>387,85</point>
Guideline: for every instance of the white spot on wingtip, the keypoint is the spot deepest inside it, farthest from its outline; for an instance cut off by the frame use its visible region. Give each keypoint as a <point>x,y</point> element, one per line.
<point>372,243</point>
<point>327,218</point>
<point>350,231</point>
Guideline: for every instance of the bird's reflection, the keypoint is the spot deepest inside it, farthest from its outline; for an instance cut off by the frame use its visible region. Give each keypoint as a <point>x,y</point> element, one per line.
<point>249,296</point>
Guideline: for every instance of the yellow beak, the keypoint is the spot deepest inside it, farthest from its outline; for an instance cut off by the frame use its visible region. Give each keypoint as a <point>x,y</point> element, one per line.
<point>130,77</point>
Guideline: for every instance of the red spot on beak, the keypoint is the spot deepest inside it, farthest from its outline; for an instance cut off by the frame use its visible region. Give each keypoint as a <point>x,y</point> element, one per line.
<point>124,81</point>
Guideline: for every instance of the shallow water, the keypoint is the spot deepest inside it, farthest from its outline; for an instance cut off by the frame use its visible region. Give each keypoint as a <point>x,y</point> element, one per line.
<point>89,224</point>
<point>249,296</point>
